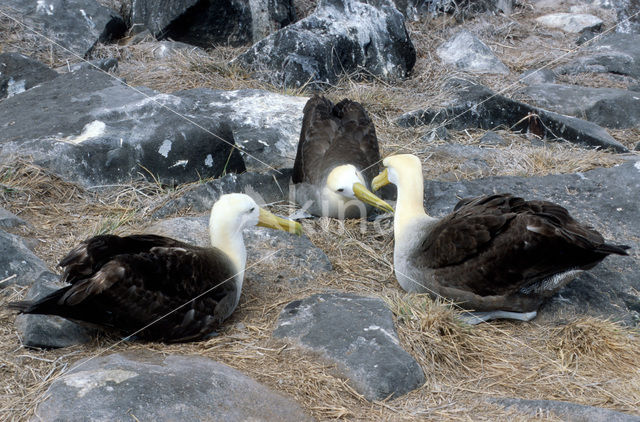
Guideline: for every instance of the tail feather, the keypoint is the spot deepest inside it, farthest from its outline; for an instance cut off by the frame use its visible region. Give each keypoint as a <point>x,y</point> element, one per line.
<point>613,249</point>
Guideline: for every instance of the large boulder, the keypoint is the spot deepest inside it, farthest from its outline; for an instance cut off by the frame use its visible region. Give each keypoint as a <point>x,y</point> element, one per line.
<point>19,73</point>
<point>466,52</point>
<point>476,106</point>
<point>566,411</point>
<point>341,37</point>
<point>571,22</point>
<point>616,53</point>
<point>606,199</point>
<point>628,15</point>
<point>155,387</point>
<point>89,127</point>
<point>607,107</point>
<point>76,25</point>
<point>215,22</point>
<point>356,333</point>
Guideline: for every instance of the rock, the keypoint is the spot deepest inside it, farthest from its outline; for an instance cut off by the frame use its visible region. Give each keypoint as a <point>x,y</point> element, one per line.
<point>18,265</point>
<point>340,37</point>
<point>19,73</point>
<point>538,76</point>
<point>90,128</point>
<point>571,22</point>
<point>414,9</point>
<point>265,125</point>
<point>106,65</point>
<point>608,107</point>
<point>9,220</point>
<point>616,53</point>
<point>48,331</point>
<point>478,106</point>
<point>635,87</point>
<point>628,17</point>
<point>468,53</point>
<point>492,138</point>
<point>167,50</point>
<point>215,22</point>
<point>155,387</point>
<point>472,159</point>
<point>266,188</point>
<point>76,25</point>
<point>440,133</point>
<point>605,198</point>
<point>567,411</point>
<point>357,333</point>
<point>287,257</point>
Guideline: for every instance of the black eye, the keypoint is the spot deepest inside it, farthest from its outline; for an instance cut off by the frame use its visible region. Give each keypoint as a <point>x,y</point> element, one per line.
<point>252,209</point>
<point>341,190</point>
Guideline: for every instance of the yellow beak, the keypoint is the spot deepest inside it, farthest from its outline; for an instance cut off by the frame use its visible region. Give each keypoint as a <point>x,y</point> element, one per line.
<point>266,219</point>
<point>380,180</point>
<point>365,195</point>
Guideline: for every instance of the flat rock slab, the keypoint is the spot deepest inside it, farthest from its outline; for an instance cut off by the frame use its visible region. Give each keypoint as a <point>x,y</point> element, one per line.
<point>265,125</point>
<point>605,198</point>
<point>90,128</point>
<point>339,38</point>
<point>18,265</point>
<point>567,411</point>
<point>264,188</point>
<point>616,53</point>
<point>76,25</point>
<point>288,257</point>
<point>19,73</point>
<point>154,387</point>
<point>9,220</point>
<point>607,107</point>
<point>466,52</point>
<point>478,106</point>
<point>48,331</point>
<point>570,22</point>
<point>357,333</point>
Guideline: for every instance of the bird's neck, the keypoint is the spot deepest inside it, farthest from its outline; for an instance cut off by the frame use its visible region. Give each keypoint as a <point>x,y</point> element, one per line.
<point>228,238</point>
<point>409,207</point>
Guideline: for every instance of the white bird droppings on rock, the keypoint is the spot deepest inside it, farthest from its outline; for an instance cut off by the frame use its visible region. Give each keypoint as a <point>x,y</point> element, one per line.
<point>85,381</point>
<point>165,148</point>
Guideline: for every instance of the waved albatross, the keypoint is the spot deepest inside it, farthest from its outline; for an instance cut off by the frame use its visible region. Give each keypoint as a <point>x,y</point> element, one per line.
<point>496,254</point>
<point>180,291</point>
<point>336,159</point>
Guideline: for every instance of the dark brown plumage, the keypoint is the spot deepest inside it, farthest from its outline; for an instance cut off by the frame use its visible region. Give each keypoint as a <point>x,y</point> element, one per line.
<point>498,253</point>
<point>125,283</point>
<point>336,159</point>
<point>333,135</point>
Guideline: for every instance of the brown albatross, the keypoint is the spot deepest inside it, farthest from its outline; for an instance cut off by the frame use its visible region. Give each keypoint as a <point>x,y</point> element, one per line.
<point>336,159</point>
<point>171,290</point>
<point>496,254</point>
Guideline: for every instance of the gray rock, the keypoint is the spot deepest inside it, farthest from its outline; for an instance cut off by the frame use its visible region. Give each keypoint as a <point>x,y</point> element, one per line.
<point>628,18</point>
<point>340,37</point>
<point>492,138</point>
<point>90,128</point>
<point>19,73</point>
<point>440,133</point>
<point>478,106</point>
<point>9,220</point>
<point>567,411</point>
<point>289,258</point>
<point>18,265</point>
<point>357,333</point>
<point>634,87</point>
<point>48,331</point>
<point>215,22</point>
<point>76,25</point>
<point>538,76</point>
<point>106,65</point>
<point>167,50</point>
<point>154,387</point>
<point>414,9</point>
<point>466,52</point>
<point>271,187</point>
<point>616,53</point>
<point>608,107</point>
<point>265,125</point>
<point>604,198</point>
<point>570,22</point>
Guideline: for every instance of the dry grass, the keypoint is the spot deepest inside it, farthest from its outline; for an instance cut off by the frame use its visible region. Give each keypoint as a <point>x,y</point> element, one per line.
<point>587,361</point>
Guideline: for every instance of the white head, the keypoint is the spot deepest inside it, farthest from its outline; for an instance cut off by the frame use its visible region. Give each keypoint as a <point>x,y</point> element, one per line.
<point>347,182</point>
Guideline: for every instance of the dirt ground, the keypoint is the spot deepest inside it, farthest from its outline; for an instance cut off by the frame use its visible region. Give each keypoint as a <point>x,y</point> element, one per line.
<point>588,361</point>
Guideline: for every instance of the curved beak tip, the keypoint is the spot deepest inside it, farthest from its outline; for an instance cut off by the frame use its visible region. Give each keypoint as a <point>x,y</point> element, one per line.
<point>366,196</point>
<point>380,180</point>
